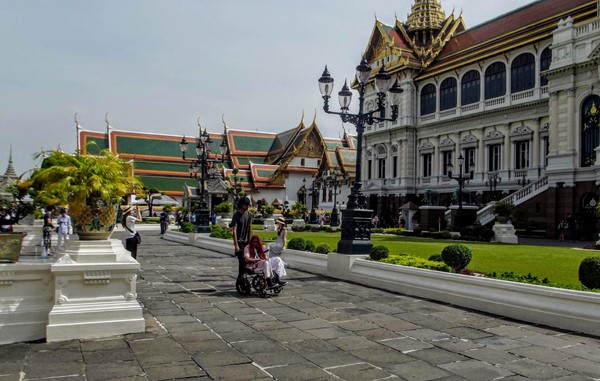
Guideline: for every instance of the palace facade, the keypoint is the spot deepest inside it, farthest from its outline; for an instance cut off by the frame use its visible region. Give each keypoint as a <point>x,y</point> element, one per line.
<point>517,97</point>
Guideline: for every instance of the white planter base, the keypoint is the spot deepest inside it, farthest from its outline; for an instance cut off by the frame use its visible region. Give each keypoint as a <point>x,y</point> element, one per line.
<point>505,233</point>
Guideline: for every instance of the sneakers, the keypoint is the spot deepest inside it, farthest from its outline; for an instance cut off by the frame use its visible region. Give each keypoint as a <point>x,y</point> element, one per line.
<point>282,283</point>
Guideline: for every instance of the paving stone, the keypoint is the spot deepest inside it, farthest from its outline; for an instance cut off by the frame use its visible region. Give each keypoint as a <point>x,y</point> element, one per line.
<point>581,366</point>
<point>101,372</point>
<point>176,370</point>
<point>227,326</point>
<point>226,357</point>
<point>589,352</point>
<point>476,370</point>
<point>279,358</point>
<point>52,369</point>
<point>436,356</point>
<point>269,325</point>
<point>354,343</point>
<point>155,344</point>
<point>535,369</point>
<point>298,372</point>
<point>7,367</point>
<point>510,331</point>
<point>162,356</point>
<point>248,335</point>
<point>289,334</point>
<point>311,324</point>
<point>406,344</point>
<point>501,343</point>
<point>332,358</point>
<point>236,372</point>
<point>548,341</point>
<point>258,346</point>
<point>205,346</point>
<point>359,372</point>
<point>104,344</point>
<point>491,355</point>
<point>328,333</point>
<point>51,356</point>
<point>467,333</point>
<point>357,325</point>
<point>382,356</point>
<point>108,356</point>
<point>418,371</point>
<point>310,346</point>
<point>541,354</point>
<point>457,345</point>
<point>13,352</point>
<point>426,321</point>
<point>10,377</point>
<point>184,337</point>
<point>425,334</point>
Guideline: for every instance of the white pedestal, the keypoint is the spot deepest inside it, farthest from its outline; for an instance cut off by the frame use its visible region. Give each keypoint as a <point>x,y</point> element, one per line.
<point>298,224</point>
<point>505,233</point>
<point>94,292</point>
<point>269,224</point>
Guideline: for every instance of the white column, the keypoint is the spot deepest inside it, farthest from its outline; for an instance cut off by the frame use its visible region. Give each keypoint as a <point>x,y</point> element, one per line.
<point>481,154</point>
<point>436,160</point>
<point>553,123</point>
<point>507,148</point>
<point>536,143</point>
<point>571,120</point>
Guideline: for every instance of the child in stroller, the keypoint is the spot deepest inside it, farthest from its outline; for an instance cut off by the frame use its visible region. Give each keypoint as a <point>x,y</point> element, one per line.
<point>258,271</point>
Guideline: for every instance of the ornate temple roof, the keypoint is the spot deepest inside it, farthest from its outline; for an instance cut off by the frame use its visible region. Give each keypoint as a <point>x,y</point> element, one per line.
<point>10,174</point>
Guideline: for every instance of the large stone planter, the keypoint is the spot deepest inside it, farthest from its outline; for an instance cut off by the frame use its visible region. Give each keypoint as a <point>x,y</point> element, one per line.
<point>10,246</point>
<point>94,221</point>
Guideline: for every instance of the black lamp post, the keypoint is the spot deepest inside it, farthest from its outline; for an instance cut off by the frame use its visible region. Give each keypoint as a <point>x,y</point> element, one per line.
<point>356,231</point>
<point>200,164</point>
<point>333,179</point>
<point>461,179</point>
<point>492,182</point>
<point>524,180</point>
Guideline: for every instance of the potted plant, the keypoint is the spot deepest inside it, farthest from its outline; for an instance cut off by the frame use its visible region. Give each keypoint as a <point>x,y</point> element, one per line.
<point>503,211</point>
<point>225,208</point>
<point>268,210</point>
<point>92,185</point>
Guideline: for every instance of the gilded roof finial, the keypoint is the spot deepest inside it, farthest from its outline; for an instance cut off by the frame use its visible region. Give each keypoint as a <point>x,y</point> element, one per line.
<point>425,15</point>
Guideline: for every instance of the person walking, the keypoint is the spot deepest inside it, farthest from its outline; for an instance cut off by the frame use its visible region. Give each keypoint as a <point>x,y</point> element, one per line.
<point>128,222</point>
<point>241,223</point>
<point>47,232</point>
<point>164,222</point>
<point>64,226</point>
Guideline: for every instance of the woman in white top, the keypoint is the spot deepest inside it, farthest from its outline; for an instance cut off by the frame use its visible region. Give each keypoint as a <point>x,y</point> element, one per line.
<point>276,248</point>
<point>128,223</point>
<point>64,225</point>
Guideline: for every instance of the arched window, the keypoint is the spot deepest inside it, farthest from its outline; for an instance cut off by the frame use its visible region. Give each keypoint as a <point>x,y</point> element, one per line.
<point>522,73</point>
<point>590,116</point>
<point>495,80</point>
<point>381,161</point>
<point>428,99</point>
<point>470,88</point>
<point>545,61</point>
<point>448,94</point>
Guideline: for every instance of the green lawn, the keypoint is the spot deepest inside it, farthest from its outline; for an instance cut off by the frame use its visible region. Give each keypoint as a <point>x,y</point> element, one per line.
<point>558,264</point>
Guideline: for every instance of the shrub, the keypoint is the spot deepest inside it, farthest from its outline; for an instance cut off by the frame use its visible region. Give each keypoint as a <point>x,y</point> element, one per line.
<point>328,229</point>
<point>187,227</point>
<point>457,256</point>
<point>487,234</point>
<point>436,258</point>
<point>224,207</point>
<point>444,234</point>
<point>309,245</point>
<point>379,252</point>
<point>297,243</point>
<point>315,228</point>
<point>217,231</point>
<point>408,260</point>
<point>589,272</point>
<point>323,248</point>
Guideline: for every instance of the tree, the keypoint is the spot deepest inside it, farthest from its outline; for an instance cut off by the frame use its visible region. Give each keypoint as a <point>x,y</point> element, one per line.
<point>234,187</point>
<point>149,195</point>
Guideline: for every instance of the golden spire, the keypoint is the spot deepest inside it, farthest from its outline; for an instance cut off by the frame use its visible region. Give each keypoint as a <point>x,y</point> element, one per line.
<point>425,15</point>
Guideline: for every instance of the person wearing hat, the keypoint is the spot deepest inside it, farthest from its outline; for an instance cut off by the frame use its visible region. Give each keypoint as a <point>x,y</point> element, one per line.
<point>276,248</point>
<point>128,222</point>
<point>64,225</point>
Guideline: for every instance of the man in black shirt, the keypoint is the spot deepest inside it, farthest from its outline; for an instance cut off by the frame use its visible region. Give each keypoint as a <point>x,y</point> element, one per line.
<point>241,222</point>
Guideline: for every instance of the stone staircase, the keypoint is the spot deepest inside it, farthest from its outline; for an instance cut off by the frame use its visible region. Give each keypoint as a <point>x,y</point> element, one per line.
<point>485,214</point>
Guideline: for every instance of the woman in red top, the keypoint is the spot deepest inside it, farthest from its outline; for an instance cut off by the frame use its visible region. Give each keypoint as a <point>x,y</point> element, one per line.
<point>255,258</point>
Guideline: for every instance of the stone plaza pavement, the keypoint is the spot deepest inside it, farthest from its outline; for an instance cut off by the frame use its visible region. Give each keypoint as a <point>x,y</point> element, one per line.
<point>318,328</point>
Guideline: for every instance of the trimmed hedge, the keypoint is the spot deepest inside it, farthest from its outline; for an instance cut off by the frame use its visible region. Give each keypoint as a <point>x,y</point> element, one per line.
<point>323,248</point>
<point>379,252</point>
<point>309,245</point>
<point>457,256</point>
<point>297,243</point>
<point>408,260</point>
<point>589,272</point>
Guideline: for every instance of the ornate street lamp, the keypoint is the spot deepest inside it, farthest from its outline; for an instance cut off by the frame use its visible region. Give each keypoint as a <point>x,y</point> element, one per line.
<point>203,142</point>
<point>356,231</point>
<point>461,179</point>
<point>333,179</point>
<point>492,182</point>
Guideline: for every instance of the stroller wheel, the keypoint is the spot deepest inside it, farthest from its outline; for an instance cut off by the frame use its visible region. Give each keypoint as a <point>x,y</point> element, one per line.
<point>242,285</point>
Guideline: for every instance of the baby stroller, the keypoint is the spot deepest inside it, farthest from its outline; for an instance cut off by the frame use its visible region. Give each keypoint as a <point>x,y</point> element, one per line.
<point>249,279</point>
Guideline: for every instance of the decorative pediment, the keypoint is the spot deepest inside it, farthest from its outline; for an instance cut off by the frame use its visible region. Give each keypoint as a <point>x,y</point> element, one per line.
<point>470,138</point>
<point>521,130</point>
<point>216,186</point>
<point>494,134</point>
<point>426,145</point>
<point>447,142</point>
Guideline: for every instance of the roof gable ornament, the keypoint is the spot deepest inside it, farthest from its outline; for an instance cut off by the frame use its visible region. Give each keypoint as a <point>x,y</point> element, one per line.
<point>494,134</point>
<point>521,130</point>
<point>425,15</point>
<point>469,138</point>
<point>447,142</point>
<point>426,145</point>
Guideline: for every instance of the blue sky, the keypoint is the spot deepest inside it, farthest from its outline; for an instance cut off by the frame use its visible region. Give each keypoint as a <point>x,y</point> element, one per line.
<point>158,66</point>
